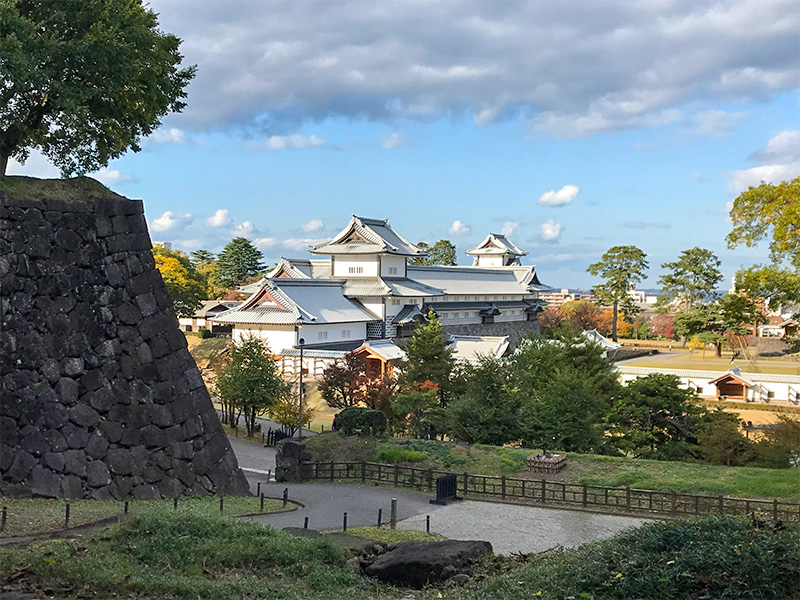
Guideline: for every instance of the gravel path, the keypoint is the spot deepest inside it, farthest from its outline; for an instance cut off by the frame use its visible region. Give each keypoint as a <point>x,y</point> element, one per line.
<point>509,527</point>
<point>512,528</point>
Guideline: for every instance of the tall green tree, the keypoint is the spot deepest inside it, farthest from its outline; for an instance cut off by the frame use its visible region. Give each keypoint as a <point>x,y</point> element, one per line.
<point>201,257</point>
<point>238,260</point>
<point>185,286</point>
<point>84,81</point>
<point>692,278</point>
<point>249,382</point>
<point>769,212</point>
<point>428,356</point>
<point>621,268</point>
<point>711,323</point>
<point>487,412</point>
<point>655,417</point>
<point>442,252</point>
<point>564,387</point>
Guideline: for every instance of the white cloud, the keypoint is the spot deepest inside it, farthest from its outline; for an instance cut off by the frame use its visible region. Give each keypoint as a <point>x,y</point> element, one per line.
<point>576,67</point>
<point>563,196</point>
<point>221,218</point>
<point>244,229</point>
<point>37,165</point>
<point>313,225</point>
<point>459,228</point>
<point>171,221</point>
<point>780,160</point>
<point>781,149</point>
<point>264,243</point>
<point>551,230</point>
<point>389,142</point>
<point>108,176</point>
<point>742,180</point>
<point>509,227</point>
<point>290,142</point>
<point>302,243</point>
<point>715,123</point>
<point>167,136</point>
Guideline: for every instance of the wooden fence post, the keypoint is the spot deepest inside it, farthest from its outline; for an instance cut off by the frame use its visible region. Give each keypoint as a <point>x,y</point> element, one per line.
<point>466,482</point>
<point>775,510</point>
<point>628,497</point>
<point>544,490</point>
<point>585,495</point>
<point>331,470</point>
<point>430,479</point>
<point>396,474</point>
<point>674,503</point>
<point>503,487</point>
<point>523,488</point>
<point>721,504</point>
<point>363,471</point>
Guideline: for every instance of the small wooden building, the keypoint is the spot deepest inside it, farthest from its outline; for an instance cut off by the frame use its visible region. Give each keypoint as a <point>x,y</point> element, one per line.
<point>734,386</point>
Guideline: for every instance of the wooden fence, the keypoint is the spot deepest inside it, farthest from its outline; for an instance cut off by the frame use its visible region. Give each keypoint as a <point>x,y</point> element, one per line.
<point>541,491</point>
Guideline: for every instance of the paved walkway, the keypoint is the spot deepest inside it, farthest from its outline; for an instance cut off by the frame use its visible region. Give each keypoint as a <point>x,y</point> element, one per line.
<point>510,528</point>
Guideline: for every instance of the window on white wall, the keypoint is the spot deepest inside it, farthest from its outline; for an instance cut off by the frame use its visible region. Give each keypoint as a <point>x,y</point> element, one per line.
<point>392,270</point>
<point>355,270</point>
<point>322,335</point>
<point>345,333</point>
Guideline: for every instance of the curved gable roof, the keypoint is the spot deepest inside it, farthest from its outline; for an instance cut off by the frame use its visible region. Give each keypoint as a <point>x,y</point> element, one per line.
<point>368,236</point>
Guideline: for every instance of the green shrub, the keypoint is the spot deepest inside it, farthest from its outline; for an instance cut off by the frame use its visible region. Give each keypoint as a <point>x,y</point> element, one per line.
<point>709,557</point>
<point>203,333</point>
<point>356,420</point>
<point>395,454</point>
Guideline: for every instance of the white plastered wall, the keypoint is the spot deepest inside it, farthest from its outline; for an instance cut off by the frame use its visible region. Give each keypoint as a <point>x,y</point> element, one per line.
<point>348,266</point>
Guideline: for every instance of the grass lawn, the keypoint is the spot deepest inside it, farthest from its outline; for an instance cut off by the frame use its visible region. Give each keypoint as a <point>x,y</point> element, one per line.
<point>393,536</point>
<point>745,366</point>
<point>183,554</point>
<point>685,477</point>
<point>204,350</point>
<point>29,516</point>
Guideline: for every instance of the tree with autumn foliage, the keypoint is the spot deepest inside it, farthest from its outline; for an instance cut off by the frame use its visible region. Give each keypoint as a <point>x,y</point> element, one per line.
<point>185,286</point>
<point>584,315</point>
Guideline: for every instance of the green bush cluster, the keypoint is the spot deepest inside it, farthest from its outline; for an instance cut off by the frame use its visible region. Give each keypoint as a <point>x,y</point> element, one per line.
<point>356,420</point>
<point>731,557</point>
<point>395,454</point>
<point>203,333</point>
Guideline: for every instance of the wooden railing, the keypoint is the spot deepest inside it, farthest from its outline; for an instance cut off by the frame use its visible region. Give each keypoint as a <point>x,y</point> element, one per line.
<point>544,492</point>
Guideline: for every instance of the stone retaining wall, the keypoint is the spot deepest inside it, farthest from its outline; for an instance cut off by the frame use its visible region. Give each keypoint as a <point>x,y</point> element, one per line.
<point>100,397</point>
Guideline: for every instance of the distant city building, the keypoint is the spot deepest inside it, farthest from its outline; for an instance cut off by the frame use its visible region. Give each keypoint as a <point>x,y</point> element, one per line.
<point>165,245</point>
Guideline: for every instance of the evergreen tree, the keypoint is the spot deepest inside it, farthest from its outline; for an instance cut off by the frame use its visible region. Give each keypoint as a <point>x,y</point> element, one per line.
<point>692,278</point>
<point>238,260</point>
<point>621,268</point>
<point>428,356</point>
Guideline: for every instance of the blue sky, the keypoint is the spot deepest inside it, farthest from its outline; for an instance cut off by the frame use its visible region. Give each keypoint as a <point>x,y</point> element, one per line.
<point>571,126</point>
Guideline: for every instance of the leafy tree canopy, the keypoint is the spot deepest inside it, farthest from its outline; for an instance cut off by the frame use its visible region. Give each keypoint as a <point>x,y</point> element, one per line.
<point>442,252</point>
<point>655,417</point>
<point>249,382</point>
<point>769,211</point>
<point>621,268</point>
<point>84,81</point>
<point>238,260</point>
<point>710,323</point>
<point>691,278</point>
<point>185,286</point>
